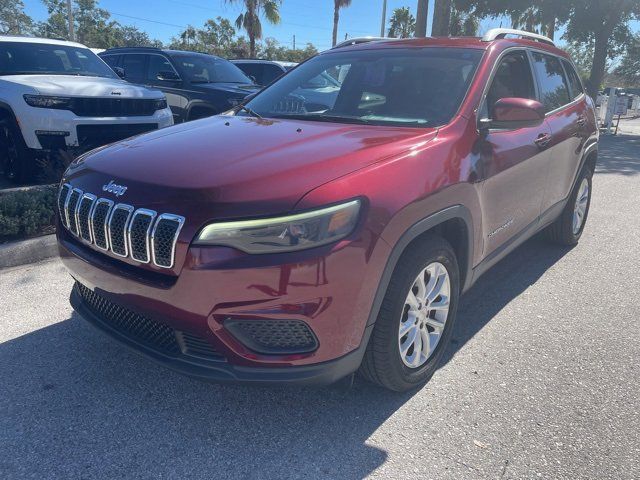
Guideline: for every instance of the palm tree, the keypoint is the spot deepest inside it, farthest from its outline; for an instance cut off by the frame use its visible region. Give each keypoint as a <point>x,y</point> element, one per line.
<point>188,36</point>
<point>441,18</point>
<point>421,18</point>
<point>337,5</point>
<point>249,20</point>
<point>402,24</point>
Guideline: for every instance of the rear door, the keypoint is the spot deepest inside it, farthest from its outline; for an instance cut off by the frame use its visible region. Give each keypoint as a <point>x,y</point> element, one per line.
<point>512,161</point>
<point>566,116</point>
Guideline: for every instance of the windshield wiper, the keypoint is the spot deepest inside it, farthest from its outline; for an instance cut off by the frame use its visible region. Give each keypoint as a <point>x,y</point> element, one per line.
<point>321,117</point>
<point>251,112</point>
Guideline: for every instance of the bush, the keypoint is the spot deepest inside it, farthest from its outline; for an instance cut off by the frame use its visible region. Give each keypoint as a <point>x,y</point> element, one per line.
<point>26,213</point>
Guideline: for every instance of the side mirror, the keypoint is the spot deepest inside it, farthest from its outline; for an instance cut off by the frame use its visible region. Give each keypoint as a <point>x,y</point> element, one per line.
<point>168,75</point>
<point>513,113</point>
<point>119,71</point>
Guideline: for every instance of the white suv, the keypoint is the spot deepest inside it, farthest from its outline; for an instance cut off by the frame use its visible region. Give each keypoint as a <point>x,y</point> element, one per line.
<point>57,95</point>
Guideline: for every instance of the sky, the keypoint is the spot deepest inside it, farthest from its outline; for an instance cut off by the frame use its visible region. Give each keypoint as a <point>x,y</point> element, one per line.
<point>309,20</point>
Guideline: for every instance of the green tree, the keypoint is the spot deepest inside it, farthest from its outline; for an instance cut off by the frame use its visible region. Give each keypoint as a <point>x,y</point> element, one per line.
<point>629,68</point>
<point>606,26</point>
<point>463,24</point>
<point>582,56</point>
<point>13,20</point>
<point>249,19</point>
<point>216,36</point>
<point>91,24</point>
<point>402,24</point>
<point>337,5</point>
<point>130,36</point>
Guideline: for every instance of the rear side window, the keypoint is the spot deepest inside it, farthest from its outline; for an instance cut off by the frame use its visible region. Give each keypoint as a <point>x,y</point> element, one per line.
<point>574,80</point>
<point>133,65</point>
<point>554,90</point>
<point>512,79</point>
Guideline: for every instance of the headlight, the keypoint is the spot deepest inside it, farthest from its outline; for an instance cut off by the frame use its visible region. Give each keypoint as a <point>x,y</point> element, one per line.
<point>284,234</point>
<point>45,101</point>
<point>160,104</point>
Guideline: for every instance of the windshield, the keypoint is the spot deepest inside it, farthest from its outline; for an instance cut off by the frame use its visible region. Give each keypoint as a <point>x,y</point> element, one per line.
<point>208,69</point>
<point>18,58</point>
<point>394,86</point>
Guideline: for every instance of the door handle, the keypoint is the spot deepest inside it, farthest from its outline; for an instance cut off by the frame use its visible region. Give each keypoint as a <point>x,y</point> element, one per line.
<point>543,140</point>
<point>581,121</point>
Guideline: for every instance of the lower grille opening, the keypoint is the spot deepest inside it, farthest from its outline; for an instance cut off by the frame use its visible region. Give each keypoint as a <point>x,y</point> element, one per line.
<point>155,335</point>
<point>274,337</point>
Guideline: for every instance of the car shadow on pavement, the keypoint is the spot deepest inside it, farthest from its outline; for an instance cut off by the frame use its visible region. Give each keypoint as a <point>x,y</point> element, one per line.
<point>500,285</point>
<point>75,404</point>
<point>619,154</point>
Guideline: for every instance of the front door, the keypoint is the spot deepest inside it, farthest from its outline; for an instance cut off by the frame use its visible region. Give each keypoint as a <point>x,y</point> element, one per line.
<point>513,161</point>
<point>157,68</point>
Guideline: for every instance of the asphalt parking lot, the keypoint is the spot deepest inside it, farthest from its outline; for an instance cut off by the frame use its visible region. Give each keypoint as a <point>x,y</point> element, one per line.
<point>541,381</point>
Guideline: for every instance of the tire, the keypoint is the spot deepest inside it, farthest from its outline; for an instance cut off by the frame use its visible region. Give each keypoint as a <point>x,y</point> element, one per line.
<point>383,362</point>
<point>16,159</point>
<point>563,231</point>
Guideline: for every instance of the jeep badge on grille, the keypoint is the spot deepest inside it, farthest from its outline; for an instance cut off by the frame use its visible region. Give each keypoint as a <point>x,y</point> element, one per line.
<point>117,190</point>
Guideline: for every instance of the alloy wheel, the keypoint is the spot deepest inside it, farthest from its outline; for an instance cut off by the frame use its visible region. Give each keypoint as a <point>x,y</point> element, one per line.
<point>580,207</point>
<point>424,315</point>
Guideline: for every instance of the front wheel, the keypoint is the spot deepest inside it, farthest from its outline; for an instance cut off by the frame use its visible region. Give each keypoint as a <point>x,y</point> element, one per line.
<point>567,229</point>
<point>416,317</point>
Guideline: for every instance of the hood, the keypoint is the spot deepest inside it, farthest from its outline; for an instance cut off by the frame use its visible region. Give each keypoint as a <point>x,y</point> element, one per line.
<point>237,88</point>
<point>230,167</point>
<point>82,86</point>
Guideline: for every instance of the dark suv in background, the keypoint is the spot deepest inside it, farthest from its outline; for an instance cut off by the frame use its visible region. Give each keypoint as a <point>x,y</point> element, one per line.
<point>197,85</point>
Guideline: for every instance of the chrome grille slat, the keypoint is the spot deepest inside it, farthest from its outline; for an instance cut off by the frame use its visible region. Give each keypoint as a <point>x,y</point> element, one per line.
<point>63,195</point>
<point>99,217</point>
<point>83,216</point>
<point>70,208</point>
<point>140,234</point>
<point>117,228</point>
<point>163,239</point>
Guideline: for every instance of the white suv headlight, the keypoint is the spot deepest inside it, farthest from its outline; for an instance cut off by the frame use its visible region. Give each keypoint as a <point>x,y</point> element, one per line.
<point>284,234</point>
<point>47,101</point>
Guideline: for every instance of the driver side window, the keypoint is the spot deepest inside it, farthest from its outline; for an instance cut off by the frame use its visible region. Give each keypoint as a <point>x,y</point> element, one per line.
<point>513,78</point>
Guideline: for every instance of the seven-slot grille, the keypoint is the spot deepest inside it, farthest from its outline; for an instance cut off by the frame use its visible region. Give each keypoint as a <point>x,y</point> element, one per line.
<point>139,234</point>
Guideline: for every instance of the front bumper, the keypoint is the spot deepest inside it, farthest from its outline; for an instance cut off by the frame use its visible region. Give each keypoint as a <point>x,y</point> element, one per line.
<point>327,289</point>
<point>323,373</point>
<point>66,123</point>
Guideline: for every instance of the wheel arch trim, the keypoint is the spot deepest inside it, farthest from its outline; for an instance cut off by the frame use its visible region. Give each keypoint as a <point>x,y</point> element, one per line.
<point>455,212</point>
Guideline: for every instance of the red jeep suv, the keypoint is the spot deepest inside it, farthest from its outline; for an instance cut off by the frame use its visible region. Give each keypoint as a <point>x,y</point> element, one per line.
<point>298,240</point>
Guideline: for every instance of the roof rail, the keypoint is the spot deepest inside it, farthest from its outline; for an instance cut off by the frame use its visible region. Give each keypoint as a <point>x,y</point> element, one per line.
<point>357,41</point>
<point>496,33</point>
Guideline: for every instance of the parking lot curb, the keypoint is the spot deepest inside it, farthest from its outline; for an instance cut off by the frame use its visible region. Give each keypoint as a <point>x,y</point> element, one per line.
<point>33,250</point>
